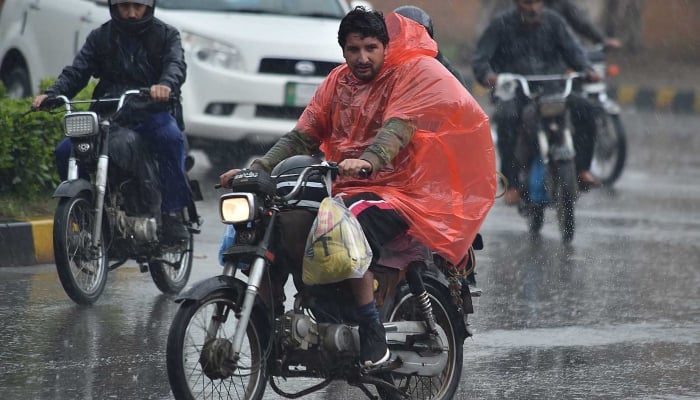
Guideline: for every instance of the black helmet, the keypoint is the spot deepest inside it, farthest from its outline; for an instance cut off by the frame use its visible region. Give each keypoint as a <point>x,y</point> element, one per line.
<point>286,173</point>
<point>134,27</point>
<point>418,15</point>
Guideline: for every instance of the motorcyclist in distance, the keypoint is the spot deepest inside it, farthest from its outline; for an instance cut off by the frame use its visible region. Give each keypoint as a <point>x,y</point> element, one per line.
<point>581,23</point>
<point>130,51</point>
<point>529,40</point>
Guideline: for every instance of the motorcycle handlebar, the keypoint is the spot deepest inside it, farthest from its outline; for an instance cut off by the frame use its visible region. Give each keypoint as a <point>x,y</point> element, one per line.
<point>325,167</point>
<point>505,84</point>
<point>53,102</point>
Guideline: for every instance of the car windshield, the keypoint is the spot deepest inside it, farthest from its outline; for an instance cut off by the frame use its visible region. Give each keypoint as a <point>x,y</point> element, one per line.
<point>309,8</point>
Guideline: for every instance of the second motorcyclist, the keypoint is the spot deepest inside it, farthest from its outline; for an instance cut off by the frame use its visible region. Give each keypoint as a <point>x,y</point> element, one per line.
<point>130,51</point>
<point>528,40</point>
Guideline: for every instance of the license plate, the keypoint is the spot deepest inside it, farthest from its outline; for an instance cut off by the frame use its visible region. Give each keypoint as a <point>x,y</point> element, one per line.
<point>299,94</point>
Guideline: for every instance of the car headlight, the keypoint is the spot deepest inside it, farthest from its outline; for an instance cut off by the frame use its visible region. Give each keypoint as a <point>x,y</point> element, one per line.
<point>237,207</point>
<point>83,123</point>
<point>212,52</point>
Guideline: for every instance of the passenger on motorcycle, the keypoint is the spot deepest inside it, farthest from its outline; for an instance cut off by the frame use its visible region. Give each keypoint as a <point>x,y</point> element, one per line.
<point>580,23</point>
<point>392,110</point>
<point>529,40</point>
<point>584,142</point>
<point>417,14</point>
<point>134,50</point>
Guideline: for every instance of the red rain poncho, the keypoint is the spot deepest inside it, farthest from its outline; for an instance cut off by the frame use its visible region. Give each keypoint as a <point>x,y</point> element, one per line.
<point>444,181</point>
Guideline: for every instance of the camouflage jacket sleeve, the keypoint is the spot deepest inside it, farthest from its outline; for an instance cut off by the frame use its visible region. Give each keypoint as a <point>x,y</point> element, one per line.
<point>293,143</point>
<point>393,136</point>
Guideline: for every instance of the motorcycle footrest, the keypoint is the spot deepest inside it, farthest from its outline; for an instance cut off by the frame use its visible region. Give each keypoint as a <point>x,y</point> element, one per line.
<point>475,291</point>
<point>393,363</point>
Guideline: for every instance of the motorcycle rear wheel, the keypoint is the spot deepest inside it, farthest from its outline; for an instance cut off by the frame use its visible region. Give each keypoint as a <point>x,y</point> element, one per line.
<point>442,387</point>
<point>565,193</point>
<point>610,151</point>
<point>199,363</point>
<point>172,279</point>
<point>82,268</point>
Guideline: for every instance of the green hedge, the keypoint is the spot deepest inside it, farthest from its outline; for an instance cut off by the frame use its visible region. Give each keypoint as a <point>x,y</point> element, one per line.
<point>27,142</point>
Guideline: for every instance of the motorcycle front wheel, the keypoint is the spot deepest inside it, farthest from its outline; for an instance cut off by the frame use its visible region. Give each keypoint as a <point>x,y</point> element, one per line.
<point>82,267</point>
<point>610,150</point>
<point>200,356</point>
<point>445,385</point>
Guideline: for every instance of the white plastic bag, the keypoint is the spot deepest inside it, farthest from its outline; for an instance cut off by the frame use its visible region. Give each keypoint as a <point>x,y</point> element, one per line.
<point>336,248</point>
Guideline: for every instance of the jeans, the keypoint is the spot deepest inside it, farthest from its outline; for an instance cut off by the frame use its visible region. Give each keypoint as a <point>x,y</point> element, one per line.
<point>167,142</point>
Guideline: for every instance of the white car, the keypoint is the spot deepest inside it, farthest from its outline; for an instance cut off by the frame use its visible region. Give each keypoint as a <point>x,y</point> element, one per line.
<point>252,65</point>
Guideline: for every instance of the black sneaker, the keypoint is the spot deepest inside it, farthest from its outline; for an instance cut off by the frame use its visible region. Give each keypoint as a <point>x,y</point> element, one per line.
<point>173,230</point>
<point>373,348</point>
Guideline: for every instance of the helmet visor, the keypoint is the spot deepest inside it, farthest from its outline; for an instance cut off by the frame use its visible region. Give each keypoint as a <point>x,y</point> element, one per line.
<point>148,3</point>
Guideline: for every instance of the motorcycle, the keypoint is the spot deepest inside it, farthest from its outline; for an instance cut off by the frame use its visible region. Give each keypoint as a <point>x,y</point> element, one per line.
<point>230,338</point>
<point>610,151</point>
<point>110,210</point>
<point>549,173</point>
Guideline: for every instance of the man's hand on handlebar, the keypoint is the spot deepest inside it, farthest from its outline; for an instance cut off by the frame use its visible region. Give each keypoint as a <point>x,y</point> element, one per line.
<point>225,178</point>
<point>592,76</point>
<point>491,80</point>
<point>36,103</point>
<point>160,93</point>
<point>355,167</point>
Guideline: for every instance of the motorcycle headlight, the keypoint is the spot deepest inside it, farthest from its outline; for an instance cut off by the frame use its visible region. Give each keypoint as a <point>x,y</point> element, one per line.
<point>237,207</point>
<point>83,123</point>
<point>213,52</point>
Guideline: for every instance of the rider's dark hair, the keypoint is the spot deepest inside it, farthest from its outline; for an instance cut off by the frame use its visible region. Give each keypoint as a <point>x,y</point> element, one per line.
<point>365,22</point>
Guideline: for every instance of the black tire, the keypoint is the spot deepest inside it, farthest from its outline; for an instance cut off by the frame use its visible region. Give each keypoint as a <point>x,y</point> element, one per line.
<point>169,279</point>
<point>81,268</point>
<point>565,195</point>
<point>16,81</point>
<point>535,217</point>
<point>188,347</point>
<point>405,308</point>
<point>610,151</point>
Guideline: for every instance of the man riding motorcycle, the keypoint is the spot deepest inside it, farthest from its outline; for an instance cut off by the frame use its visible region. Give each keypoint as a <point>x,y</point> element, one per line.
<point>528,40</point>
<point>365,115</point>
<point>130,51</point>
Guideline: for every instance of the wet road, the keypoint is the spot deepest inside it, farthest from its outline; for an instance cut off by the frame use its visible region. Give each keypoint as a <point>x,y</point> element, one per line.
<point>615,315</point>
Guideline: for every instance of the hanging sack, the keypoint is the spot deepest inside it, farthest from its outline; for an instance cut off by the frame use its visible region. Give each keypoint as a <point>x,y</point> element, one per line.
<point>336,248</point>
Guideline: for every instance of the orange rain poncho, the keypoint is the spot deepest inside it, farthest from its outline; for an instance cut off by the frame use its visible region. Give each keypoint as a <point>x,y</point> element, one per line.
<point>444,181</point>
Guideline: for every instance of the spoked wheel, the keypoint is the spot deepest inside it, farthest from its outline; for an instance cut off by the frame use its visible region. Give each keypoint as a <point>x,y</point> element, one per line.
<point>82,267</point>
<point>200,351</point>
<point>444,385</point>
<point>610,151</point>
<point>172,271</point>
<point>565,194</point>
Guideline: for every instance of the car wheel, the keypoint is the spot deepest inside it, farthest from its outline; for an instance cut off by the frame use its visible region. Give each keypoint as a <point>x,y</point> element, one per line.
<point>16,82</point>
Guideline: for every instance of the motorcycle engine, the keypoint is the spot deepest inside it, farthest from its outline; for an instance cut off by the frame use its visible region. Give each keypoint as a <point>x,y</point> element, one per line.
<point>142,229</point>
<point>300,332</point>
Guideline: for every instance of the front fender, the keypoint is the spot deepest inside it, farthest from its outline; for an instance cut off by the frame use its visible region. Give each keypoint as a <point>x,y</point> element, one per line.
<point>203,288</point>
<point>72,188</point>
